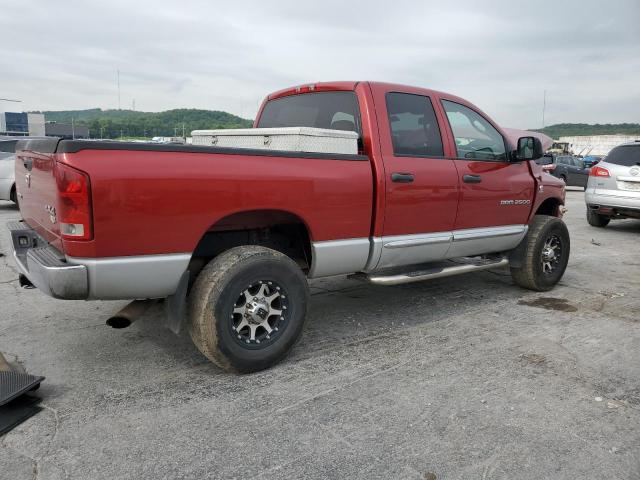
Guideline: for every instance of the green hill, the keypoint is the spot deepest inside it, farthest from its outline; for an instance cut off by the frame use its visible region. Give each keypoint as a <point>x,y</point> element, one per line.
<point>130,123</point>
<point>574,129</point>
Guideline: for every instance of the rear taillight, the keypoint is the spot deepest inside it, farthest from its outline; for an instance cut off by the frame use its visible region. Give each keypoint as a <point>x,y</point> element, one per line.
<point>599,172</point>
<point>74,203</point>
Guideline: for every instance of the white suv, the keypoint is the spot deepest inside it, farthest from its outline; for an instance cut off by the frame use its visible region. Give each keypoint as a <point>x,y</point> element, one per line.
<point>613,189</point>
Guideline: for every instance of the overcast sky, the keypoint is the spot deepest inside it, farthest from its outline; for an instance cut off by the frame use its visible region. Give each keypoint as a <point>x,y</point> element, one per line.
<point>500,55</point>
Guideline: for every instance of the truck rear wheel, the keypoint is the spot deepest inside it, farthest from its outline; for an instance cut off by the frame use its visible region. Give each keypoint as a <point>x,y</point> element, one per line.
<point>545,255</point>
<point>597,220</point>
<point>247,308</point>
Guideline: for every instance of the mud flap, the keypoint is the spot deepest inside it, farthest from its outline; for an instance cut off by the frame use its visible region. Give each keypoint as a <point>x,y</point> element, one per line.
<point>175,306</point>
<point>516,256</point>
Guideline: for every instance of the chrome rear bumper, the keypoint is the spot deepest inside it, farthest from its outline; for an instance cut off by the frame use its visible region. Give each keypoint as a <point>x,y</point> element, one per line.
<point>45,267</point>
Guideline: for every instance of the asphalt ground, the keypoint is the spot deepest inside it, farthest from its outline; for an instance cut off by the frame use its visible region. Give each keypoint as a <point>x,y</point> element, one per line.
<point>468,377</point>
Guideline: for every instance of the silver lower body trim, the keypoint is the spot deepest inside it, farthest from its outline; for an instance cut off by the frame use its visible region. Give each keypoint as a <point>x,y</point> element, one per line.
<point>135,277</point>
<point>478,241</point>
<point>337,257</point>
<point>411,249</point>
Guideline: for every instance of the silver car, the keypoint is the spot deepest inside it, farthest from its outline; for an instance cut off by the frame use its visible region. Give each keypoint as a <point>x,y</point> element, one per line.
<point>7,169</point>
<point>613,189</point>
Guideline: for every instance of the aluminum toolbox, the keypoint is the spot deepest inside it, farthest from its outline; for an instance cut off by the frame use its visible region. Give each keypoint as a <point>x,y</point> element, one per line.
<point>295,139</point>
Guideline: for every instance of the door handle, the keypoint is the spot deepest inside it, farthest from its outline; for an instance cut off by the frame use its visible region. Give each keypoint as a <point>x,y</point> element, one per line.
<point>471,178</point>
<point>402,177</point>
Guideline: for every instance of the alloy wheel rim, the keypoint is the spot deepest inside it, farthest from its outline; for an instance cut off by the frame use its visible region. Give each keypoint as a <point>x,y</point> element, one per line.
<point>551,254</point>
<point>260,314</point>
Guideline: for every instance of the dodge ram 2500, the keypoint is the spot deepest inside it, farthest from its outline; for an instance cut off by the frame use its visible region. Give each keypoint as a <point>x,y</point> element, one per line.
<point>228,237</point>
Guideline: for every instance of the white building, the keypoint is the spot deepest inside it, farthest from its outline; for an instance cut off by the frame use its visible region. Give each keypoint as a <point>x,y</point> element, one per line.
<point>22,124</point>
<point>596,144</point>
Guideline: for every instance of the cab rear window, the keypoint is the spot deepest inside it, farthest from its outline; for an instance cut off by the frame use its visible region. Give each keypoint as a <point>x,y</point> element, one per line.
<point>625,155</point>
<point>333,110</point>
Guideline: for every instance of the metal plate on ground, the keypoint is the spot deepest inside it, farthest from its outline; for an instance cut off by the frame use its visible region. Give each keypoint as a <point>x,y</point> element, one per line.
<point>14,384</point>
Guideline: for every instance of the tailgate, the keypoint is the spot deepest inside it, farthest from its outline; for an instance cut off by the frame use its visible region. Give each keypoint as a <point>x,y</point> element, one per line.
<point>36,186</point>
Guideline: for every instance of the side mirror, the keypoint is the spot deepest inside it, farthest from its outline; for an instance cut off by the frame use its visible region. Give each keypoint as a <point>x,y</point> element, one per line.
<point>529,148</point>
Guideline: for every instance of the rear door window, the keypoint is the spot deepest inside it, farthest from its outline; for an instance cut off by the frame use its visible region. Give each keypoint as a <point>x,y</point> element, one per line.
<point>332,110</point>
<point>476,139</point>
<point>625,155</point>
<point>414,128</point>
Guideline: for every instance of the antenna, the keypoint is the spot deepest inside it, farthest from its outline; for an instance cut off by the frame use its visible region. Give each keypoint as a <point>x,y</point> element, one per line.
<point>118,89</point>
<point>544,106</point>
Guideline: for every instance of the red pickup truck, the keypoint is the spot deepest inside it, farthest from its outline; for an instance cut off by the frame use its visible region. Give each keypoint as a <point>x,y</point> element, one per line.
<point>229,237</point>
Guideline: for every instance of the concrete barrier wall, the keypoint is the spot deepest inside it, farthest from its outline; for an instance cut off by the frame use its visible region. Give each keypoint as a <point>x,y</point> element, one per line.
<point>596,144</point>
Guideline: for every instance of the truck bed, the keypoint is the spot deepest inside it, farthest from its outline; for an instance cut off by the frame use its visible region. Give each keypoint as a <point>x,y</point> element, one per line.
<point>162,198</point>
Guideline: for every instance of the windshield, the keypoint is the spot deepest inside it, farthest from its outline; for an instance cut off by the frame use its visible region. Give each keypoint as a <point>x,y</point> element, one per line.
<point>332,110</point>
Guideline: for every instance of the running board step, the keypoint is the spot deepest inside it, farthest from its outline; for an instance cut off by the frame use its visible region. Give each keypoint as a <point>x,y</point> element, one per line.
<point>429,273</point>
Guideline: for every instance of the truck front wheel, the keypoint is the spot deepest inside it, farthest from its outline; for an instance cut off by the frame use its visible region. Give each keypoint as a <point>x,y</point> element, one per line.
<point>247,308</point>
<point>545,254</point>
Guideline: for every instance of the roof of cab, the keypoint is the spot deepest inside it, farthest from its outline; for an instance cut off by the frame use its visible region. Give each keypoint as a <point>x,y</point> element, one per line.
<point>351,85</point>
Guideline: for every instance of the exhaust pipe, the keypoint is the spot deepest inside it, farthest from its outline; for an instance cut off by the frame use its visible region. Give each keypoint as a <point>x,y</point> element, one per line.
<point>129,314</point>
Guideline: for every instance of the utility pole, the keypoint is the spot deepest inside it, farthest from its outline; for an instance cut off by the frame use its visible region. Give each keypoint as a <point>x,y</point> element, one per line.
<point>175,131</point>
<point>118,89</point>
<point>101,133</point>
<point>73,129</point>
<point>183,130</point>
<point>544,106</point>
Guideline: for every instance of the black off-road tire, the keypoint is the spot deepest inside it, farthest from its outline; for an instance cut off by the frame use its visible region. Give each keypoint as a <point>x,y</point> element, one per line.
<point>597,220</point>
<point>214,296</point>
<point>530,274</point>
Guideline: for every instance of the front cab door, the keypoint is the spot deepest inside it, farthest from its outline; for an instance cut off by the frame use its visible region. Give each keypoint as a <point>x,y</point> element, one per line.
<point>495,194</point>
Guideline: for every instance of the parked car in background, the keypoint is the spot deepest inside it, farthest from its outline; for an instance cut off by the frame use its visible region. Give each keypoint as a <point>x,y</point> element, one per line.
<point>571,170</point>
<point>613,190</point>
<point>8,190</point>
<point>591,160</point>
<point>7,169</point>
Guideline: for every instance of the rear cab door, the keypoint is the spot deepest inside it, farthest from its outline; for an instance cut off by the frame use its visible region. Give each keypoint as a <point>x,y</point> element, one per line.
<point>420,181</point>
<point>495,193</point>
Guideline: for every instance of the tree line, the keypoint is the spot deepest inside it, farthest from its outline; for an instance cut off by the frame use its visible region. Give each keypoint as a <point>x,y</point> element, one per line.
<point>130,123</point>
